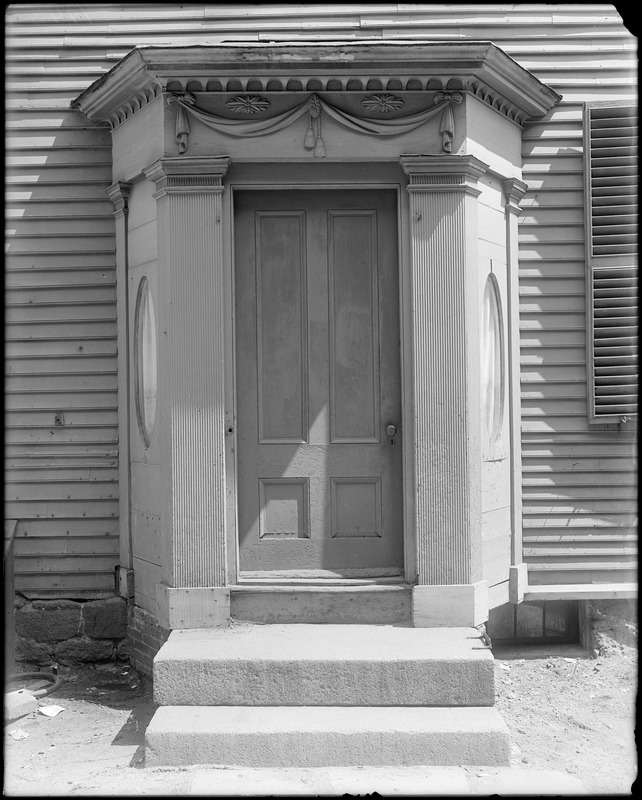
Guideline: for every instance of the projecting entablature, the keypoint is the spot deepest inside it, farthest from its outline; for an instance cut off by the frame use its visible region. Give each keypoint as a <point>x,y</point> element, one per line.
<point>339,101</point>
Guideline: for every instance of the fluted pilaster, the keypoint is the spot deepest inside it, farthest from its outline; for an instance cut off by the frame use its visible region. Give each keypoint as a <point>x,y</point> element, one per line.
<point>446,390</point>
<point>191,385</point>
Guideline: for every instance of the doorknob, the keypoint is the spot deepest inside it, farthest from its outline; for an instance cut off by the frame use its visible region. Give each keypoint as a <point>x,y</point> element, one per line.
<point>391,430</point>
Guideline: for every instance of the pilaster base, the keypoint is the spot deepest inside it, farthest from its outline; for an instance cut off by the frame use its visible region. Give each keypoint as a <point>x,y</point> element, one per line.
<point>193,607</point>
<point>456,606</point>
<point>517,582</point>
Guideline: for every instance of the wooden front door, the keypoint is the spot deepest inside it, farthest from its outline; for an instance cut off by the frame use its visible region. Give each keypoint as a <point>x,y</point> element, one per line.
<point>318,382</point>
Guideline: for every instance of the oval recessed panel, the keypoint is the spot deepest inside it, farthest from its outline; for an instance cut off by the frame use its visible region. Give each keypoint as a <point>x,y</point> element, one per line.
<point>492,360</point>
<point>145,361</point>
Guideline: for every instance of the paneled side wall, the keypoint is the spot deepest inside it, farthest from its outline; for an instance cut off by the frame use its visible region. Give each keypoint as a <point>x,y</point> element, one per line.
<point>60,391</point>
<point>145,496</point>
<point>495,446</point>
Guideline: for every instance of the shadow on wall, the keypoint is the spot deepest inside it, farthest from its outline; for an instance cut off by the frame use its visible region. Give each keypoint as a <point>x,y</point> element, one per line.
<point>60,349</point>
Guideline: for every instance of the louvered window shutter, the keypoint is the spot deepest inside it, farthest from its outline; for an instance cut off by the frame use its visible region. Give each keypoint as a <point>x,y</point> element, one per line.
<point>611,184</point>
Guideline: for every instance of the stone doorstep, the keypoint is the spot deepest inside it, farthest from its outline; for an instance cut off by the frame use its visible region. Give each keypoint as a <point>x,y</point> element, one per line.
<point>324,665</point>
<point>386,781</point>
<point>365,605</point>
<point>254,736</point>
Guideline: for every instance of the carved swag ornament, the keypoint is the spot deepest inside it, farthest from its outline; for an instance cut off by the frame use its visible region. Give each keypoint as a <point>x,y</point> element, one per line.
<point>314,106</point>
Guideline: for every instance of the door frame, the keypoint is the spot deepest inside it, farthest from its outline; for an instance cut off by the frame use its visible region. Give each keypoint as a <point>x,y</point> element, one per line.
<point>270,176</point>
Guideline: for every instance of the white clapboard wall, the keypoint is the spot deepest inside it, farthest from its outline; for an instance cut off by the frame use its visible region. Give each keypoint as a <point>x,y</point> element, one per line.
<point>61,382</point>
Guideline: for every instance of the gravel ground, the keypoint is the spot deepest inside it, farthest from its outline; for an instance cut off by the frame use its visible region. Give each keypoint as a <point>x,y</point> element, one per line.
<point>572,713</point>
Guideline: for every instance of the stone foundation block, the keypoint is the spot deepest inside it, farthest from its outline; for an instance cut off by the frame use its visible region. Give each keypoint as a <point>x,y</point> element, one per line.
<point>84,649</point>
<point>105,619</point>
<point>40,653</point>
<point>48,620</point>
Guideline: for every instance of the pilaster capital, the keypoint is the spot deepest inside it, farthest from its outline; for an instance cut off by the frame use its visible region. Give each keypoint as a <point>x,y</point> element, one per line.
<point>443,173</point>
<point>188,175</point>
<point>514,190</point>
<point>119,193</point>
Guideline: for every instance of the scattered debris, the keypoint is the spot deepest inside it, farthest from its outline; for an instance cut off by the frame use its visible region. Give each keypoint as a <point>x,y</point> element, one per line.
<point>50,711</point>
<point>18,734</point>
<point>18,704</point>
<point>504,666</point>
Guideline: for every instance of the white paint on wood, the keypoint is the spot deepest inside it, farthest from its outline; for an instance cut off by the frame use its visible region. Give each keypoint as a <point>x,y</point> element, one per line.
<point>518,582</point>
<point>586,591</point>
<point>146,578</point>
<point>191,416</point>
<point>193,607</point>
<point>452,605</point>
<point>446,391</point>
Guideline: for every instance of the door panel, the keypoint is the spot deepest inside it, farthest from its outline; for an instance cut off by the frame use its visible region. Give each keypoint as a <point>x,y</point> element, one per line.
<point>281,327</point>
<point>317,343</point>
<point>353,327</point>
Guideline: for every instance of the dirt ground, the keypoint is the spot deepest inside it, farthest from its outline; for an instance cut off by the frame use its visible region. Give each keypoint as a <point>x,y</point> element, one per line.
<point>572,713</point>
<point>566,710</point>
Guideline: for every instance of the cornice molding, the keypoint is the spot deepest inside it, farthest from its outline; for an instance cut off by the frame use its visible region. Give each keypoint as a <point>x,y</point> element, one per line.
<point>443,173</point>
<point>477,68</point>
<point>119,193</point>
<point>188,174</point>
<point>514,190</point>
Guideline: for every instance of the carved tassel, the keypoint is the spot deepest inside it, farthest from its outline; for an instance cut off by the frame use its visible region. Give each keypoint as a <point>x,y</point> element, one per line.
<point>182,123</point>
<point>309,140</point>
<point>319,147</point>
<point>182,129</point>
<point>447,128</point>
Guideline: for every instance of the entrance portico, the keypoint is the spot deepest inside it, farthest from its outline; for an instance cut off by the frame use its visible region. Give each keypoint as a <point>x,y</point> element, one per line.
<point>198,131</point>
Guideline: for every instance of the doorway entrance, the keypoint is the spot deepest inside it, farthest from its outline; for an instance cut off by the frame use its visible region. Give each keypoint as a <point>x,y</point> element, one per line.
<point>318,383</point>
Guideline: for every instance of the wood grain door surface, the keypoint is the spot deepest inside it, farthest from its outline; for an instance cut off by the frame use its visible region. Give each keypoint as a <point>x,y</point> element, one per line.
<point>318,382</point>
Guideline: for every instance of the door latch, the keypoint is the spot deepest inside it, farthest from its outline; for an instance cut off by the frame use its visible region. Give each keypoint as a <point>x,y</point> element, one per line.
<point>391,430</point>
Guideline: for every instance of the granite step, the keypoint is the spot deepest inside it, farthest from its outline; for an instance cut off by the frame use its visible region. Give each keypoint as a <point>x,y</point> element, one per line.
<point>324,665</point>
<point>317,736</point>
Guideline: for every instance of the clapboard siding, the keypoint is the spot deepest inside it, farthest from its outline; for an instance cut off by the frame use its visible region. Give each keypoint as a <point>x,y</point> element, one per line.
<point>60,312</point>
<point>579,501</point>
<point>61,438</point>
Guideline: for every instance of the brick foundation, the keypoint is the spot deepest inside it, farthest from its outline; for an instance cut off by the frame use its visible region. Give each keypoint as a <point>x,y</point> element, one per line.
<point>145,638</point>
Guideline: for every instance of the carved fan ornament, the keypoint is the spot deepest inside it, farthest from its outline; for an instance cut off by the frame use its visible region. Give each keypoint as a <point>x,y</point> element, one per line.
<point>382,102</point>
<point>247,104</point>
<point>315,106</point>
